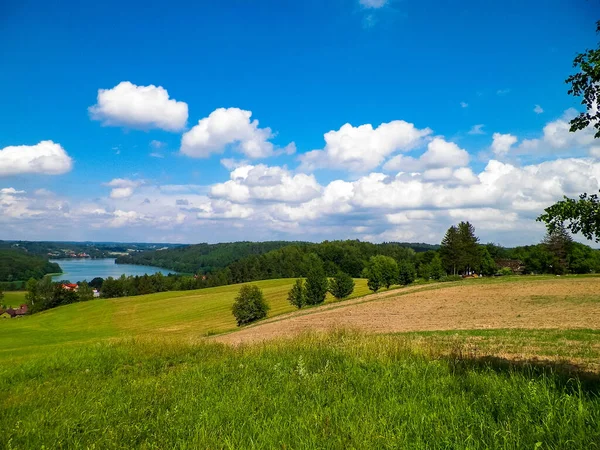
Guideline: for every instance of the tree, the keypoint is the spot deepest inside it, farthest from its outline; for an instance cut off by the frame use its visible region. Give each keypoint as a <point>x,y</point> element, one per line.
<point>1,294</point>
<point>558,243</point>
<point>85,292</point>
<point>341,286</point>
<point>96,283</point>
<point>450,250</point>
<point>316,284</point>
<point>406,273</point>
<point>586,84</point>
<point>297,295</point>
<point>436,269</point>
<point>249,305</point>
<point>488,265</point>
<point>582,216</point>
<point>381,271</point>
<point>469,258</point>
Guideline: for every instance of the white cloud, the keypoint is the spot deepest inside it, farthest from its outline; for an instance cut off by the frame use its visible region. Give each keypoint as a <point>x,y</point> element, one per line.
<point>363,148</point>
<point>142,107</point>
<point>464,105</point>
<point>375,4</point>
<point>156,155</point>
<point>11,191</point>
<point>502,91</point>
<point>265,183</point>
<point>502,143</point>
<point>477,129</point>
<point>538,109</point>
<point>122,187</point>
<point>46,157</point>
<point>229,127</point>
<point>440,154</point>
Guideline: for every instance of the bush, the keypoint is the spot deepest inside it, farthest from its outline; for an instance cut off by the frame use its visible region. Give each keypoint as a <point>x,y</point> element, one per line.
<point>297,295</point>
<point>341,286</point>
<point>450,278</point>
<point>316,284</point>
<point>505,271</point>
<point>249,305</point>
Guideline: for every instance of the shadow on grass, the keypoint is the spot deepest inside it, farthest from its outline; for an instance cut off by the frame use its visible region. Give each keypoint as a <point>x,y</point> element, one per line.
<point>567,376</point>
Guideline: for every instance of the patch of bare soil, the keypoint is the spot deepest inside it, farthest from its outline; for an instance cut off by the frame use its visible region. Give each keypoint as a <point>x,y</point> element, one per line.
<point>462,307</point>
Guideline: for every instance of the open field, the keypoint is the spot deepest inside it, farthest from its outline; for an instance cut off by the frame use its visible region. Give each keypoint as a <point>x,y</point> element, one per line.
<point>544,303</point>
<point>186,313</point>
<point>13,298</point>
<point>492,363</point>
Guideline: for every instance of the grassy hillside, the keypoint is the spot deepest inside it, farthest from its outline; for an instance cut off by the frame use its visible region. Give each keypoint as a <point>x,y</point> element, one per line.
<point>18,265</point>
<point>13,298</point>
<point>184,313</point>
<point>340,391</point>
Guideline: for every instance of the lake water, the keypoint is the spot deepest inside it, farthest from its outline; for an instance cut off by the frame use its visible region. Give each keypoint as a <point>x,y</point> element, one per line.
<point>76,270</point>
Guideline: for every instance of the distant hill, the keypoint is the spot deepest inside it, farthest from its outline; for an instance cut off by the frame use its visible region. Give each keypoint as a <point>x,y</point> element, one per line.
<point>18,265</point>
<point>201,258</point>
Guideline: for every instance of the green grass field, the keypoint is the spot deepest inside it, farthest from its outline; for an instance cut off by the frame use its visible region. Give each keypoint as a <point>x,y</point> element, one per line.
<point>137,373</point>
<point>190,314</point>
<point>13,298</point>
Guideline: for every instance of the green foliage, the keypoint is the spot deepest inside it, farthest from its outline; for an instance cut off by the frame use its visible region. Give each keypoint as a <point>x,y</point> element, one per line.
<point>338,392</point>
<point>1,295</point>
<point>505,271</point>
<point>436,269</point>
<point>249,305</point>
<point>316,283</point>
<point>586,84</point>
<point>200,258</point>
<point>460,250</point>
<point>449,278</point>
<point>558,243</point>
<point>341,286</point>
<point>18,265</point>
<point>582,216</point>
<point>85,292</point>
<point>96,283</point>
<point>297,295</point>
<point>488,265</point>
<point>381,271</point>
<point>406,273</point>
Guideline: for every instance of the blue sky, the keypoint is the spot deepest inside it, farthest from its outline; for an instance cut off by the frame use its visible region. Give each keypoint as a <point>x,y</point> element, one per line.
<point>463,77</point>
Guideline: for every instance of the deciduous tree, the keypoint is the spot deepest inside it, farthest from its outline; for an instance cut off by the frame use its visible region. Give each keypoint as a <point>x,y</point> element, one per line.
<point>249,305</point>
<point>297,295</point>
<point>341,286</point>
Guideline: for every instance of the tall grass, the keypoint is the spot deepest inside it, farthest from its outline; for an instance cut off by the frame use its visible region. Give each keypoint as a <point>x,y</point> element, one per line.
<point>342,391</point>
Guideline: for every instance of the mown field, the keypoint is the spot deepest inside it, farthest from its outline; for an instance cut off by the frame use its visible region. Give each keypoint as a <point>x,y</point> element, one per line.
<point>149,372</point>
<point>186,313</point>
<point>13,298</point>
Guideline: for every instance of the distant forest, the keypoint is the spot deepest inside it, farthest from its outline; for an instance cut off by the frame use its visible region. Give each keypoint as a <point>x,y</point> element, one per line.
<point>16,265</point>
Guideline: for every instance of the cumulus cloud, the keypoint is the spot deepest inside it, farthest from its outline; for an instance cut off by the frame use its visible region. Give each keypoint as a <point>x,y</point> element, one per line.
<point>46,157</point>
<point>142,107</point>
<point>122,187</point>
<point>502,143</point>
<point>440,154</point>
<point>263,183</point>
<point>226,127</point>
<point>538,109</point>
<point>363,148</point>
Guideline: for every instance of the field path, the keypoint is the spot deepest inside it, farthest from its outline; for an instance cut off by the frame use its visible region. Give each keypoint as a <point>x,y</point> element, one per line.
<point>561,303</point>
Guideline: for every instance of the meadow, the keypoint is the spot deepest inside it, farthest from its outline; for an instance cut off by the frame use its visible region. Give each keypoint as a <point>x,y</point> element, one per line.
<point>158,371</point>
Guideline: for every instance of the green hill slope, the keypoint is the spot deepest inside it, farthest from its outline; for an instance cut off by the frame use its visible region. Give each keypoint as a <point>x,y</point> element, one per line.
<point>185,313</point>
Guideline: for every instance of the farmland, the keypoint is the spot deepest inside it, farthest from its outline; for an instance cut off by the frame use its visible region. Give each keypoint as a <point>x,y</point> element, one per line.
<point>489,363</point>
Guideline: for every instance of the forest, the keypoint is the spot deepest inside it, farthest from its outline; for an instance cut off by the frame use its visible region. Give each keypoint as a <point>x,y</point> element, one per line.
<point>17,265</point>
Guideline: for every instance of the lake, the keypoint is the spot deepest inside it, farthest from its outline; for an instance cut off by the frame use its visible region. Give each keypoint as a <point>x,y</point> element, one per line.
<point>76,270</point>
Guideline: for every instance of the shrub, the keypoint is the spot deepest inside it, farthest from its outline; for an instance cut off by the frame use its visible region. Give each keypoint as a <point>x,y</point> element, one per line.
<point>505,271</point>
<point>297,295</point>
<point>316,284</point>
<point>341,286</point>
<point>450,278</point>
<point>249,305</point>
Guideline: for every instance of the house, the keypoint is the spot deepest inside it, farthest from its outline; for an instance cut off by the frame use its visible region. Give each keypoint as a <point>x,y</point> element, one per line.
<point>5,315</point>
<point>70,287</point>
<point>10,312</point>
<point>21,310</point>
<point>96,293</point>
